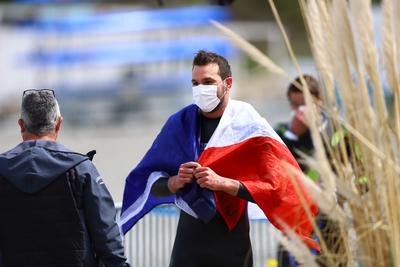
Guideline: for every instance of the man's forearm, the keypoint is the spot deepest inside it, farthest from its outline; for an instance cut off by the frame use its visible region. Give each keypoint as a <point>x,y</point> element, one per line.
<point>236,188</point>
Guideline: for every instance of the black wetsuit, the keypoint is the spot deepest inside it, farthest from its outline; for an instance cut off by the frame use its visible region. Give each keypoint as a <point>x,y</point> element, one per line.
<point>207,245</point>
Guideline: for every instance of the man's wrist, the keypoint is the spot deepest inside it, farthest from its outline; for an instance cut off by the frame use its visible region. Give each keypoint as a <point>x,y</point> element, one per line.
<point>230,186</point>
<point>171,184</point>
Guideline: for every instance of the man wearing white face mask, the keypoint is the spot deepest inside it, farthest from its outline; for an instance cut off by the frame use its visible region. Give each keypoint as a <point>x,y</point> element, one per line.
<point>209,159</point>
<point>205,96</point>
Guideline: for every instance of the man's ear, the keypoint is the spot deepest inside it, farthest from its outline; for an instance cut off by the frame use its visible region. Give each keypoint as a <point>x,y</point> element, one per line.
<point>58,125</point>
<point>229,82</point>
<point>21,124</point>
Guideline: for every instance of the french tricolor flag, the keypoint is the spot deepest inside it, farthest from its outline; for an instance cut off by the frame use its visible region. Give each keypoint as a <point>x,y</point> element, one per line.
<point>243,147</point>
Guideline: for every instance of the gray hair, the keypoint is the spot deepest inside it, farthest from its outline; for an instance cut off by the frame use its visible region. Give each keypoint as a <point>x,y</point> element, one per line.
<point>40,112</point>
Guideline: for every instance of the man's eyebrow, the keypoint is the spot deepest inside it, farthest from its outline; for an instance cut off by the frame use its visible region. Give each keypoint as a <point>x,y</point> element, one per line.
<point>208,79</point>
<point>204,79</point>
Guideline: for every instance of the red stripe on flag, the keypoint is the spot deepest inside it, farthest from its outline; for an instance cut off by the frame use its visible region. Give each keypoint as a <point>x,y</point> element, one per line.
<point>257,164</point>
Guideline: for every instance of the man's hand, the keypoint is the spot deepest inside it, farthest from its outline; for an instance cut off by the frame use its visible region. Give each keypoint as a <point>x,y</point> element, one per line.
<point>184,176</point>
<point>299,124</point>
<point>207,178</point>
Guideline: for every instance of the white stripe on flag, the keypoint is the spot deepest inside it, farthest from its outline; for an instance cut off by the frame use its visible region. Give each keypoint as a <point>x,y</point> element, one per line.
<point>183,205</point>
<point>240,122</point>
<point>138,205</point>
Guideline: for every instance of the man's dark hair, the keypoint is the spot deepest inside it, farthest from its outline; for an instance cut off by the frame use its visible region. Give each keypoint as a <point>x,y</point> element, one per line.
<point>40,112</point>
<point>203,58</point>
<point>312,84</point>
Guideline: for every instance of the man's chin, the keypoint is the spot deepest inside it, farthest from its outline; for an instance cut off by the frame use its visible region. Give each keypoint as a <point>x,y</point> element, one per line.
<point>212,111</point>
<point>219,106</point>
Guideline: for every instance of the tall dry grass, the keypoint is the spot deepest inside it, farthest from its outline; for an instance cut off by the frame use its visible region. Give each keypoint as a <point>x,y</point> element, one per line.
<point>358,154</point>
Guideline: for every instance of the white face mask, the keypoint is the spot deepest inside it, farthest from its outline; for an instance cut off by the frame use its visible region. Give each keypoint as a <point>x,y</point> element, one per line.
<point>205,97</point>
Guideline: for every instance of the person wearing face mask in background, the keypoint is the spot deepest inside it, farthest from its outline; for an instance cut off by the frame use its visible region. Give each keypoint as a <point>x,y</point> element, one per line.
<point>210,158</point>
<point>296,134</point>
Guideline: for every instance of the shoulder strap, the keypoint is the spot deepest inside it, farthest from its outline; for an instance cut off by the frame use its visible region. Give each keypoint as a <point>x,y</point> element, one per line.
<point>76,187</point>
<point>75,184</point>
<point>91,154</point>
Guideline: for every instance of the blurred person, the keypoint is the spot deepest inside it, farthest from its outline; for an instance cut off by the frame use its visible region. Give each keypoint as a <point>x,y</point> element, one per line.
<point>210,158</point>
<point>55,207</point>
<point>296,134</point>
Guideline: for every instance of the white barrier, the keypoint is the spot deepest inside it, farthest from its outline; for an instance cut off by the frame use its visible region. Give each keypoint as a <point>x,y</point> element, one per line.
<point>149,243</point>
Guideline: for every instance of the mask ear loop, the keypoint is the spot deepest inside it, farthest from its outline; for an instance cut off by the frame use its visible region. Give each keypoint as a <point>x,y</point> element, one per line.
<point>223,95</point>
<point>225,91</point>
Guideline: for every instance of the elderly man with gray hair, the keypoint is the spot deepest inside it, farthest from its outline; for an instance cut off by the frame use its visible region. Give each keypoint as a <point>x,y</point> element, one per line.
<point>55,209</point>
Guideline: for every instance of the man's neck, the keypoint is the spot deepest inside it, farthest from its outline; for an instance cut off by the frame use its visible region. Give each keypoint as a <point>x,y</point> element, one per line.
<point>32,137</point>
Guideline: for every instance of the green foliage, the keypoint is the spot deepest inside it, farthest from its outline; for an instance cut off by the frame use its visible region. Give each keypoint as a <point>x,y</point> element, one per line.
<point>338,136</point>
<point>313,174</point>
<point>363,180</point>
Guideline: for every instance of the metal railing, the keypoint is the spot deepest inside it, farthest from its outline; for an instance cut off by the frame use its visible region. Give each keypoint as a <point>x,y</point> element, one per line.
<point>149,243</point>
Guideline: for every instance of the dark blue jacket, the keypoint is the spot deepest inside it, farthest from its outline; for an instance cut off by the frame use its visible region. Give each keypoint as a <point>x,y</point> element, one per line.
<point>33,165</point>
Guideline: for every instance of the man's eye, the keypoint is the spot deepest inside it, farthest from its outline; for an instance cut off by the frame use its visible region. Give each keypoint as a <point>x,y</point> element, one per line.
<point>195,84</point>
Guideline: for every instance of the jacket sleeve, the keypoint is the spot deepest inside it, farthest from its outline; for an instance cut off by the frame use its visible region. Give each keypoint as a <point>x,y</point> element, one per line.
<point>160,188</point>
<point>243,193</point>
<point>100,217</point>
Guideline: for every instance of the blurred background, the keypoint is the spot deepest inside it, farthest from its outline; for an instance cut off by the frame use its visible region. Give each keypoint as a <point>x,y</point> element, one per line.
<point>120,68</point>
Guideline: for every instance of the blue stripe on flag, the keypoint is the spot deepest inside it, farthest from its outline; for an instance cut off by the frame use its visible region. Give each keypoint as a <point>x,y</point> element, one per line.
<point>177,143</point>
